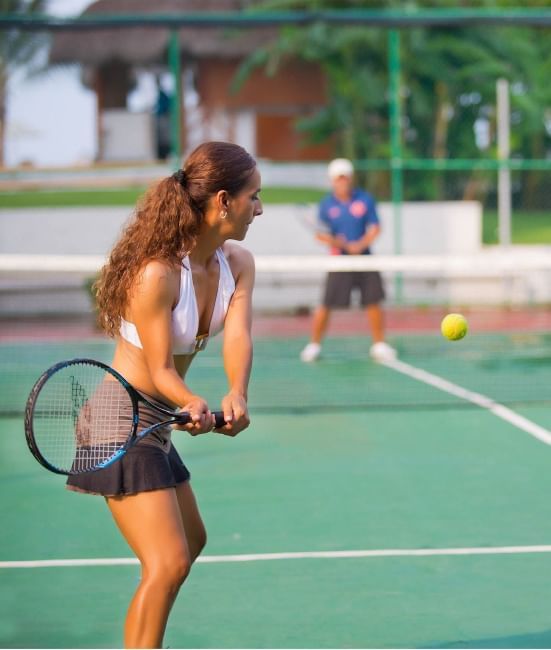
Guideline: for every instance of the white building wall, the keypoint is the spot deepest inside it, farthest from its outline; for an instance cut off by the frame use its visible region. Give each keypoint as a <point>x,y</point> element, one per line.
<point>127,136</point>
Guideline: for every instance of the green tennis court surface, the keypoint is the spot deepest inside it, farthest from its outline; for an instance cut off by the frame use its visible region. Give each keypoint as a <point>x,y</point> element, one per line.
<point>366,506</point>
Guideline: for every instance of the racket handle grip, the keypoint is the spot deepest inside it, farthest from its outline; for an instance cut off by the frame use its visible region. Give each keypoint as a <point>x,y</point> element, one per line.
<point>218,418</point>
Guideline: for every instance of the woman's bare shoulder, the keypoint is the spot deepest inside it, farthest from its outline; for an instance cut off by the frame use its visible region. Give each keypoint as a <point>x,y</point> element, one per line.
<point>158,275</point>
<point>239,258</point>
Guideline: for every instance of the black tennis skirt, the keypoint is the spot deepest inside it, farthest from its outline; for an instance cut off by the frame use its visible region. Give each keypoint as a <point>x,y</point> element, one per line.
<point>142,468</point>
<point>152,464</point>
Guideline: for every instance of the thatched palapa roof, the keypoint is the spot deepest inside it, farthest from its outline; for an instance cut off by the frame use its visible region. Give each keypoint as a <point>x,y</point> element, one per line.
<point>141,46</point>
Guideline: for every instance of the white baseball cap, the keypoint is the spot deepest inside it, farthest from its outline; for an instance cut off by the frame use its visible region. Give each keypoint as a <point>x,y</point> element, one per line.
<point>340,167</point>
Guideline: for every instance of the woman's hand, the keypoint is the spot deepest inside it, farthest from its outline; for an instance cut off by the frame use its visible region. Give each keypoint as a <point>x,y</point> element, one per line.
<point>236,414</point>
<point>202,420</point>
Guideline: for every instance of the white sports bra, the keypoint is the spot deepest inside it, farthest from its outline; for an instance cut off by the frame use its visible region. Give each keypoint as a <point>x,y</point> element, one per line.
<point>185,315</point>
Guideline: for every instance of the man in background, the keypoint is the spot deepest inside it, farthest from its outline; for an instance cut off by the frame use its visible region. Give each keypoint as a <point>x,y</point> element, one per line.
<point>349,224</point>
<point>162,122</point>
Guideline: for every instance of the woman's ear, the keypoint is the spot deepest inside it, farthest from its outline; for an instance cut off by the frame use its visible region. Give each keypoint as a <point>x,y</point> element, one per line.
<point>222,200</point>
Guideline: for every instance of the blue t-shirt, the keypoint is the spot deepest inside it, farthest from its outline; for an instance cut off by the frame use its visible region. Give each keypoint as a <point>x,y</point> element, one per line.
<point>350,219</point>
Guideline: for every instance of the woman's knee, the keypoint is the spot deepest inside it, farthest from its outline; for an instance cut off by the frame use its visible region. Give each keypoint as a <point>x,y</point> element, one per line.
<point>197,542</point>
<point>170,571</point>
<point>202,539</point>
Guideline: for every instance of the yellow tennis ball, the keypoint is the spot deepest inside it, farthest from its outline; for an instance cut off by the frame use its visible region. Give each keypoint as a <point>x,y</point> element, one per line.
<point>454,327</point>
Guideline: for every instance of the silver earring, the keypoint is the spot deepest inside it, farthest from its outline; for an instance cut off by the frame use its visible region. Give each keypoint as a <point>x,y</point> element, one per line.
<point>223,214</point>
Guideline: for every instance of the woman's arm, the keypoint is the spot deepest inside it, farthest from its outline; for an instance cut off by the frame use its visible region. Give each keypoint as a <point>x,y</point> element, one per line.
<point>237,348</point>
<point>151,302</point>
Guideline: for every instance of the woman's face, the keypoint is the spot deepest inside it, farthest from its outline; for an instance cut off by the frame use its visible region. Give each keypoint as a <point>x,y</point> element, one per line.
<point>244,207</point>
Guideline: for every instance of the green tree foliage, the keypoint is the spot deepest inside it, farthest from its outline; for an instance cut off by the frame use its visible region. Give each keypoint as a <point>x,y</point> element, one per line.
<point>17,49</point>
<point>448,85</point>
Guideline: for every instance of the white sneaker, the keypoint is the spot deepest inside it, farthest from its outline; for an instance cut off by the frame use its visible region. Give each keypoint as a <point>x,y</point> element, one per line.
<point>382,352</point>
<point>311,352</point>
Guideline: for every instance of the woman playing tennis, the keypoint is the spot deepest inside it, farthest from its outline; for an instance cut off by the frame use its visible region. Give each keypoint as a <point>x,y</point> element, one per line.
<point>171,282</point>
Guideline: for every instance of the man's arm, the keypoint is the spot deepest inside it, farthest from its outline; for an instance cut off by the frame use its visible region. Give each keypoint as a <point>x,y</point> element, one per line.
<point>357,247</point>
<point>324,232</point>
<point>331,240</point>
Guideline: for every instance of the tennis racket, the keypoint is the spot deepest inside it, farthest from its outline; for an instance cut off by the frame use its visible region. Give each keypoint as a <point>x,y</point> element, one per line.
<point>82,415</point>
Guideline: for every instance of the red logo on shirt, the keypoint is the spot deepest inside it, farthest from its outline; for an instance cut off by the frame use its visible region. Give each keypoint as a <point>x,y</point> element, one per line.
<point>334,212</point>
<point>358,209</point>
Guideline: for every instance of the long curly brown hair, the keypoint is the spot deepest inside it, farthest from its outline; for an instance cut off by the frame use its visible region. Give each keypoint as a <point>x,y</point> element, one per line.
<point>166,222</point>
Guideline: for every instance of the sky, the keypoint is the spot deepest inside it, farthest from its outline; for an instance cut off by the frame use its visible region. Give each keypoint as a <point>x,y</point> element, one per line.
<point>51,119</point>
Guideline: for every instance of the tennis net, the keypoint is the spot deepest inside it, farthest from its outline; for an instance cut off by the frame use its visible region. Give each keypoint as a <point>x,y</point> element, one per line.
<point>516,276</point>
<point>506,357</point>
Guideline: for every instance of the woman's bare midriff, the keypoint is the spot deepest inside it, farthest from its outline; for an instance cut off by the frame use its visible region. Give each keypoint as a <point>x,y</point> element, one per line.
<point>129,360</point>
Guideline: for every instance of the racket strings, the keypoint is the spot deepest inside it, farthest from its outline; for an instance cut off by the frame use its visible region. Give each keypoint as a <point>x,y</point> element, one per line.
<point>82,418</point>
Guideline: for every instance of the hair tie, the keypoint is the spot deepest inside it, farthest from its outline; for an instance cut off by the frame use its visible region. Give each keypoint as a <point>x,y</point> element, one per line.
<point>180,177</point>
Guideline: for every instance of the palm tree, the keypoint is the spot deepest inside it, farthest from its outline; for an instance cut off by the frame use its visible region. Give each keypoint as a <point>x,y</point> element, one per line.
<point>17,49</point>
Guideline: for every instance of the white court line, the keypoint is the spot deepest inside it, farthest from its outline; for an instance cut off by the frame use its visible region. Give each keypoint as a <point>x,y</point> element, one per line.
<point>304,555</point>
<point>476,398</point>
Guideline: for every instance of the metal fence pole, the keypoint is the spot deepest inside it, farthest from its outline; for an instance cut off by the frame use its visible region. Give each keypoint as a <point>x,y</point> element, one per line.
<point>503,152</point>
<point>175,65</point>
<point>396,147</point>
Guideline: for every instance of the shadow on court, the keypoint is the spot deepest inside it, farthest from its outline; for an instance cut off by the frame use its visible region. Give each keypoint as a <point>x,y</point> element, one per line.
<point>535,640</point>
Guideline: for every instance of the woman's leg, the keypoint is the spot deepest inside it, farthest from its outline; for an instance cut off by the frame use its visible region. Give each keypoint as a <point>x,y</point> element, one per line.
<point>196,534</point>
<point>151,522</point>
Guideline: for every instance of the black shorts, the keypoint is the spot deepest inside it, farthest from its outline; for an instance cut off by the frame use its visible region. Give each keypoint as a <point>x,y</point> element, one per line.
<point>339,286</point>
<point>142,468</point>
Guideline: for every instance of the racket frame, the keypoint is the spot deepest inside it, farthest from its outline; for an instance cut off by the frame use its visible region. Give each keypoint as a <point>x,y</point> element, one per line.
<point>135,397</point>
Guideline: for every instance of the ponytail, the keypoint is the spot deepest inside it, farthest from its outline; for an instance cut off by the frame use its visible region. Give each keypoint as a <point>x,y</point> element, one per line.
<point>165,225</point>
